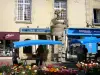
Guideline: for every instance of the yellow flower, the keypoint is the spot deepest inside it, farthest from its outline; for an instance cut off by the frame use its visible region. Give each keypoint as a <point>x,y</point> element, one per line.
<point>65,67</point>
<point>57,69</point>
<point>35,71</point>
<point>15,69</point>
<point>26,66</point>
<point>34,65</point>
<point>29,68</point>
<point>23,72</point>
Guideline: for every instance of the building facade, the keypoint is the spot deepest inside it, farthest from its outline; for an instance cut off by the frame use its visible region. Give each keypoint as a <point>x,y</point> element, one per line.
<point>84,26</point>
<point>17,15</point>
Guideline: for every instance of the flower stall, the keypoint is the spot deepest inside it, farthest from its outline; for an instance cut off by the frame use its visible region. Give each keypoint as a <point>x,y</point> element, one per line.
<point>21,69</point>
<point>91,68</point>
<point>51,69</point>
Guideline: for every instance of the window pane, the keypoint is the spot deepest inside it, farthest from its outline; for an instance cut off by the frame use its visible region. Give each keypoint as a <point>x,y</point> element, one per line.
<point>61,6</point>
<point>27,1</point>
<point>20,1</point>
<point>56,5</point>
<point>20,11</point>
<point>27,12</point>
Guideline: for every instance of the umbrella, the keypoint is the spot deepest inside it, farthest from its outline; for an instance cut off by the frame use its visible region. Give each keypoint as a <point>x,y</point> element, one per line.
<point>35,42</point>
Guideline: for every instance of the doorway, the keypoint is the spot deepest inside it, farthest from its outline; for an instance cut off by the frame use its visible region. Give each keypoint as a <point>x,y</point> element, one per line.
<point>28,51</point>
<point>42,37</point>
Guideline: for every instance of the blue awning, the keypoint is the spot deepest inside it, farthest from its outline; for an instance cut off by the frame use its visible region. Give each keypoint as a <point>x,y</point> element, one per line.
<point>35,42</point>
<point>90,40</point>
<point>86,40</point>
<point>75,41</point>
<point>83,31</point>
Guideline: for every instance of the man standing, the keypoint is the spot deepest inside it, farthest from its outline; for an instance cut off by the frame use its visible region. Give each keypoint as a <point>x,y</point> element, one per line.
<point>14,58</point>
<point>85,52</point>
<point>79,50</point>
<point>40,55</point>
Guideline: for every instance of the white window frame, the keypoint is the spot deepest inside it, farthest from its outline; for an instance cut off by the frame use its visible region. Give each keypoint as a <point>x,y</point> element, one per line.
<point>60,8</point>
<point>23,17</point>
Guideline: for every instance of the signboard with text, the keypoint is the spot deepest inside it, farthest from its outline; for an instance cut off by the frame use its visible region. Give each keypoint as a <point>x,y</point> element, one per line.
<point>83,31</point>
<point>34,30</point>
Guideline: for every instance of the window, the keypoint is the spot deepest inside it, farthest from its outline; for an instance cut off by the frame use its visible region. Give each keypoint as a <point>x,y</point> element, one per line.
<point>61,6</point>
<point>96,15</point>
<point>5,48</point>
<point>23,12</point>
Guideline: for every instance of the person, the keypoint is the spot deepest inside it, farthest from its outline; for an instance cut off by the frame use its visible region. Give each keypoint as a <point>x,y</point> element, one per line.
<point>79,50</point>
<point>97,55</point>
<point>39,55</point>
<point>14,56</point>
<point>15,61</point>
<point>85,52</point>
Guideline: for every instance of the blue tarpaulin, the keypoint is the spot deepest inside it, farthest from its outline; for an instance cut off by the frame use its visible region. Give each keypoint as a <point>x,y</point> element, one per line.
<point>34,42</point>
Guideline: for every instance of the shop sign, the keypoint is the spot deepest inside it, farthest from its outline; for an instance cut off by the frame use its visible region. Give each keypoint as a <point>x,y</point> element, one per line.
<point>34,30</point>
<point>83,31</point>
<point>89,31</point>
<point>9,36</point>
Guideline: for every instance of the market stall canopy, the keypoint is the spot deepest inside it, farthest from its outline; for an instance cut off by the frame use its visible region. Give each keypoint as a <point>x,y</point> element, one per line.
<point>78,41</point>
<point>74,41</point>
<point>85,40</point>
<point>35,42</point>
<point>90,40</point>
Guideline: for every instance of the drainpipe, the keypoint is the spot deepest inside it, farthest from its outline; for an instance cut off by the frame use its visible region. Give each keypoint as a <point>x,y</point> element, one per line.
<point>87,25</point>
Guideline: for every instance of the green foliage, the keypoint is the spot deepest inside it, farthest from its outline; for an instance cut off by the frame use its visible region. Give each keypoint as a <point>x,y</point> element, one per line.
<point>6,69</point>
<point>94,71</point>
<point>28,72</point>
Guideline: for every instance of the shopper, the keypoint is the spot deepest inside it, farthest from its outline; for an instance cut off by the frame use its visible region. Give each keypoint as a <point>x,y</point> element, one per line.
<point>40,55</point>
<point>14,56</point>
<point>15,61</point>
<point>85,52</point>
<point>79,50</point>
